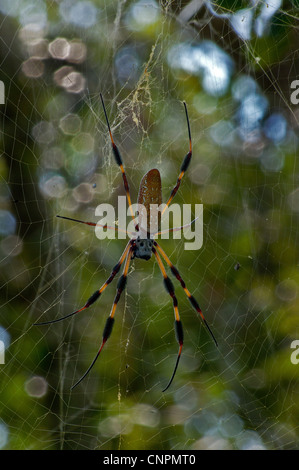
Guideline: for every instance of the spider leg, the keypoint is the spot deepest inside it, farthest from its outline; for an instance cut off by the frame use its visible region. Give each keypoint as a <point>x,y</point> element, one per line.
<point>192,300</point>
<point>184,166</point>
<point>97,293</point>
<point>94,224</point>
<point>175,229</point>
<point>177,324</point>
<point>119,161</point>
<point>110,320</point>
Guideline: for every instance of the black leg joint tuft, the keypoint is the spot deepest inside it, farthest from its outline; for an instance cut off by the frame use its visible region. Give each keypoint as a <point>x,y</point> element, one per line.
<point>179,334</point>
<point>108,328</point>
<point>122,282</point>
<point>174,271</point>
<point>194,303</point>
<point>116,268</point>
<point>93,298</point>
<point>117,155</point>
<point>186,161</point>
<point>168,285</point>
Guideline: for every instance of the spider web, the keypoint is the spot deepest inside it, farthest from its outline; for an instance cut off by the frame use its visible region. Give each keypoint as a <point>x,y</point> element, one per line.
<point>233,63</point>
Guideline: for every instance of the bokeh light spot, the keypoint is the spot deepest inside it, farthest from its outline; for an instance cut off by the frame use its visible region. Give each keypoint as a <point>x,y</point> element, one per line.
<point>8,223</point>
<point>36,387</point>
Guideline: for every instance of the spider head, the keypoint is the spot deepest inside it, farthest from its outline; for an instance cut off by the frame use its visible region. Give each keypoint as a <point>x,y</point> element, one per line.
<point>143,248</point>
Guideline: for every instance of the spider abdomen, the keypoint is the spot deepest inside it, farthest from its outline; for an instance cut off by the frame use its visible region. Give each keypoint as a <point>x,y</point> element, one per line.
<point>149,201</point>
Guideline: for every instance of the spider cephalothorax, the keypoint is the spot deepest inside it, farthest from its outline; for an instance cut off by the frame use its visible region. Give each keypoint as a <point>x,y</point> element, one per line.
<point>142,248</point>
<point>150,195</point>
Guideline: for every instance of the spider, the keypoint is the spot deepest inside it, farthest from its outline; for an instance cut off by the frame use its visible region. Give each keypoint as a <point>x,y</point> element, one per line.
<point>142,245</point>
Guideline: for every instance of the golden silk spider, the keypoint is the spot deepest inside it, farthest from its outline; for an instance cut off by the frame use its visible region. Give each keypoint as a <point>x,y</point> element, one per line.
<point>142,245</point>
